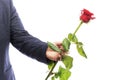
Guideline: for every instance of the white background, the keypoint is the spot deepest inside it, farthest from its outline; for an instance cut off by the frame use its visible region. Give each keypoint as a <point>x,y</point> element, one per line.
<point>52,20</point>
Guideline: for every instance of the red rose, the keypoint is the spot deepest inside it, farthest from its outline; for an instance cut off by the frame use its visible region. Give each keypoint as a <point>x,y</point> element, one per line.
<point>86,16</point>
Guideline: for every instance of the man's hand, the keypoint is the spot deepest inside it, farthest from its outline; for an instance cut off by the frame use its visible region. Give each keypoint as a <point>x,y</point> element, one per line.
<point>53,55</point>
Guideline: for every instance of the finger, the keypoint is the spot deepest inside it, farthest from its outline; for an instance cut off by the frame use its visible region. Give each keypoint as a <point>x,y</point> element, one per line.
<point>60,57</point>
<point>57,58</point>
<point>58,44</point>
<point>61,48</point>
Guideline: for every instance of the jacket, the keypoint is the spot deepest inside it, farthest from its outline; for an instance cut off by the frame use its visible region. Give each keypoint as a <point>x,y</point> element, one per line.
<point>12,31</point>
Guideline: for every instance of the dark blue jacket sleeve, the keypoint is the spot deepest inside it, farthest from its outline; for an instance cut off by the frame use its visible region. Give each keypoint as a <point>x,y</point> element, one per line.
<point>23,41</point>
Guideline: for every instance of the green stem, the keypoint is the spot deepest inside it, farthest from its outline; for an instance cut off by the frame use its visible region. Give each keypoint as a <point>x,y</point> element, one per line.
<point>51,70</point>
<point>57,61</point>
<point>77,28</point>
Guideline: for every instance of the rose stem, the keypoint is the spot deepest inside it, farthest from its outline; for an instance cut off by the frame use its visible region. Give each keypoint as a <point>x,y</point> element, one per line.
<point>51,70</point>
<point>77,28</point>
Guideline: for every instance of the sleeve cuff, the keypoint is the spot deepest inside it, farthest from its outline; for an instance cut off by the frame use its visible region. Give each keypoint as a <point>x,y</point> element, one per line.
<point>41,54</point>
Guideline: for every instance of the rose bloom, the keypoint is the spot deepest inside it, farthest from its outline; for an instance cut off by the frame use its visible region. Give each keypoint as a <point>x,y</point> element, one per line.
<point>86,16</point>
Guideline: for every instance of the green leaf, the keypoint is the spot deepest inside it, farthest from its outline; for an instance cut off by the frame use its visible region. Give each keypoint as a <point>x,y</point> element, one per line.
<point>72,37</point>
<point>67,61</point>
<point>53,78</point>
<point>57,75</point>
<point>64,74</point>
<point>80,44</point>
<point>54,47</point>
<point>50,64</point>
<point>66,44</point>
<point>80,50</point>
